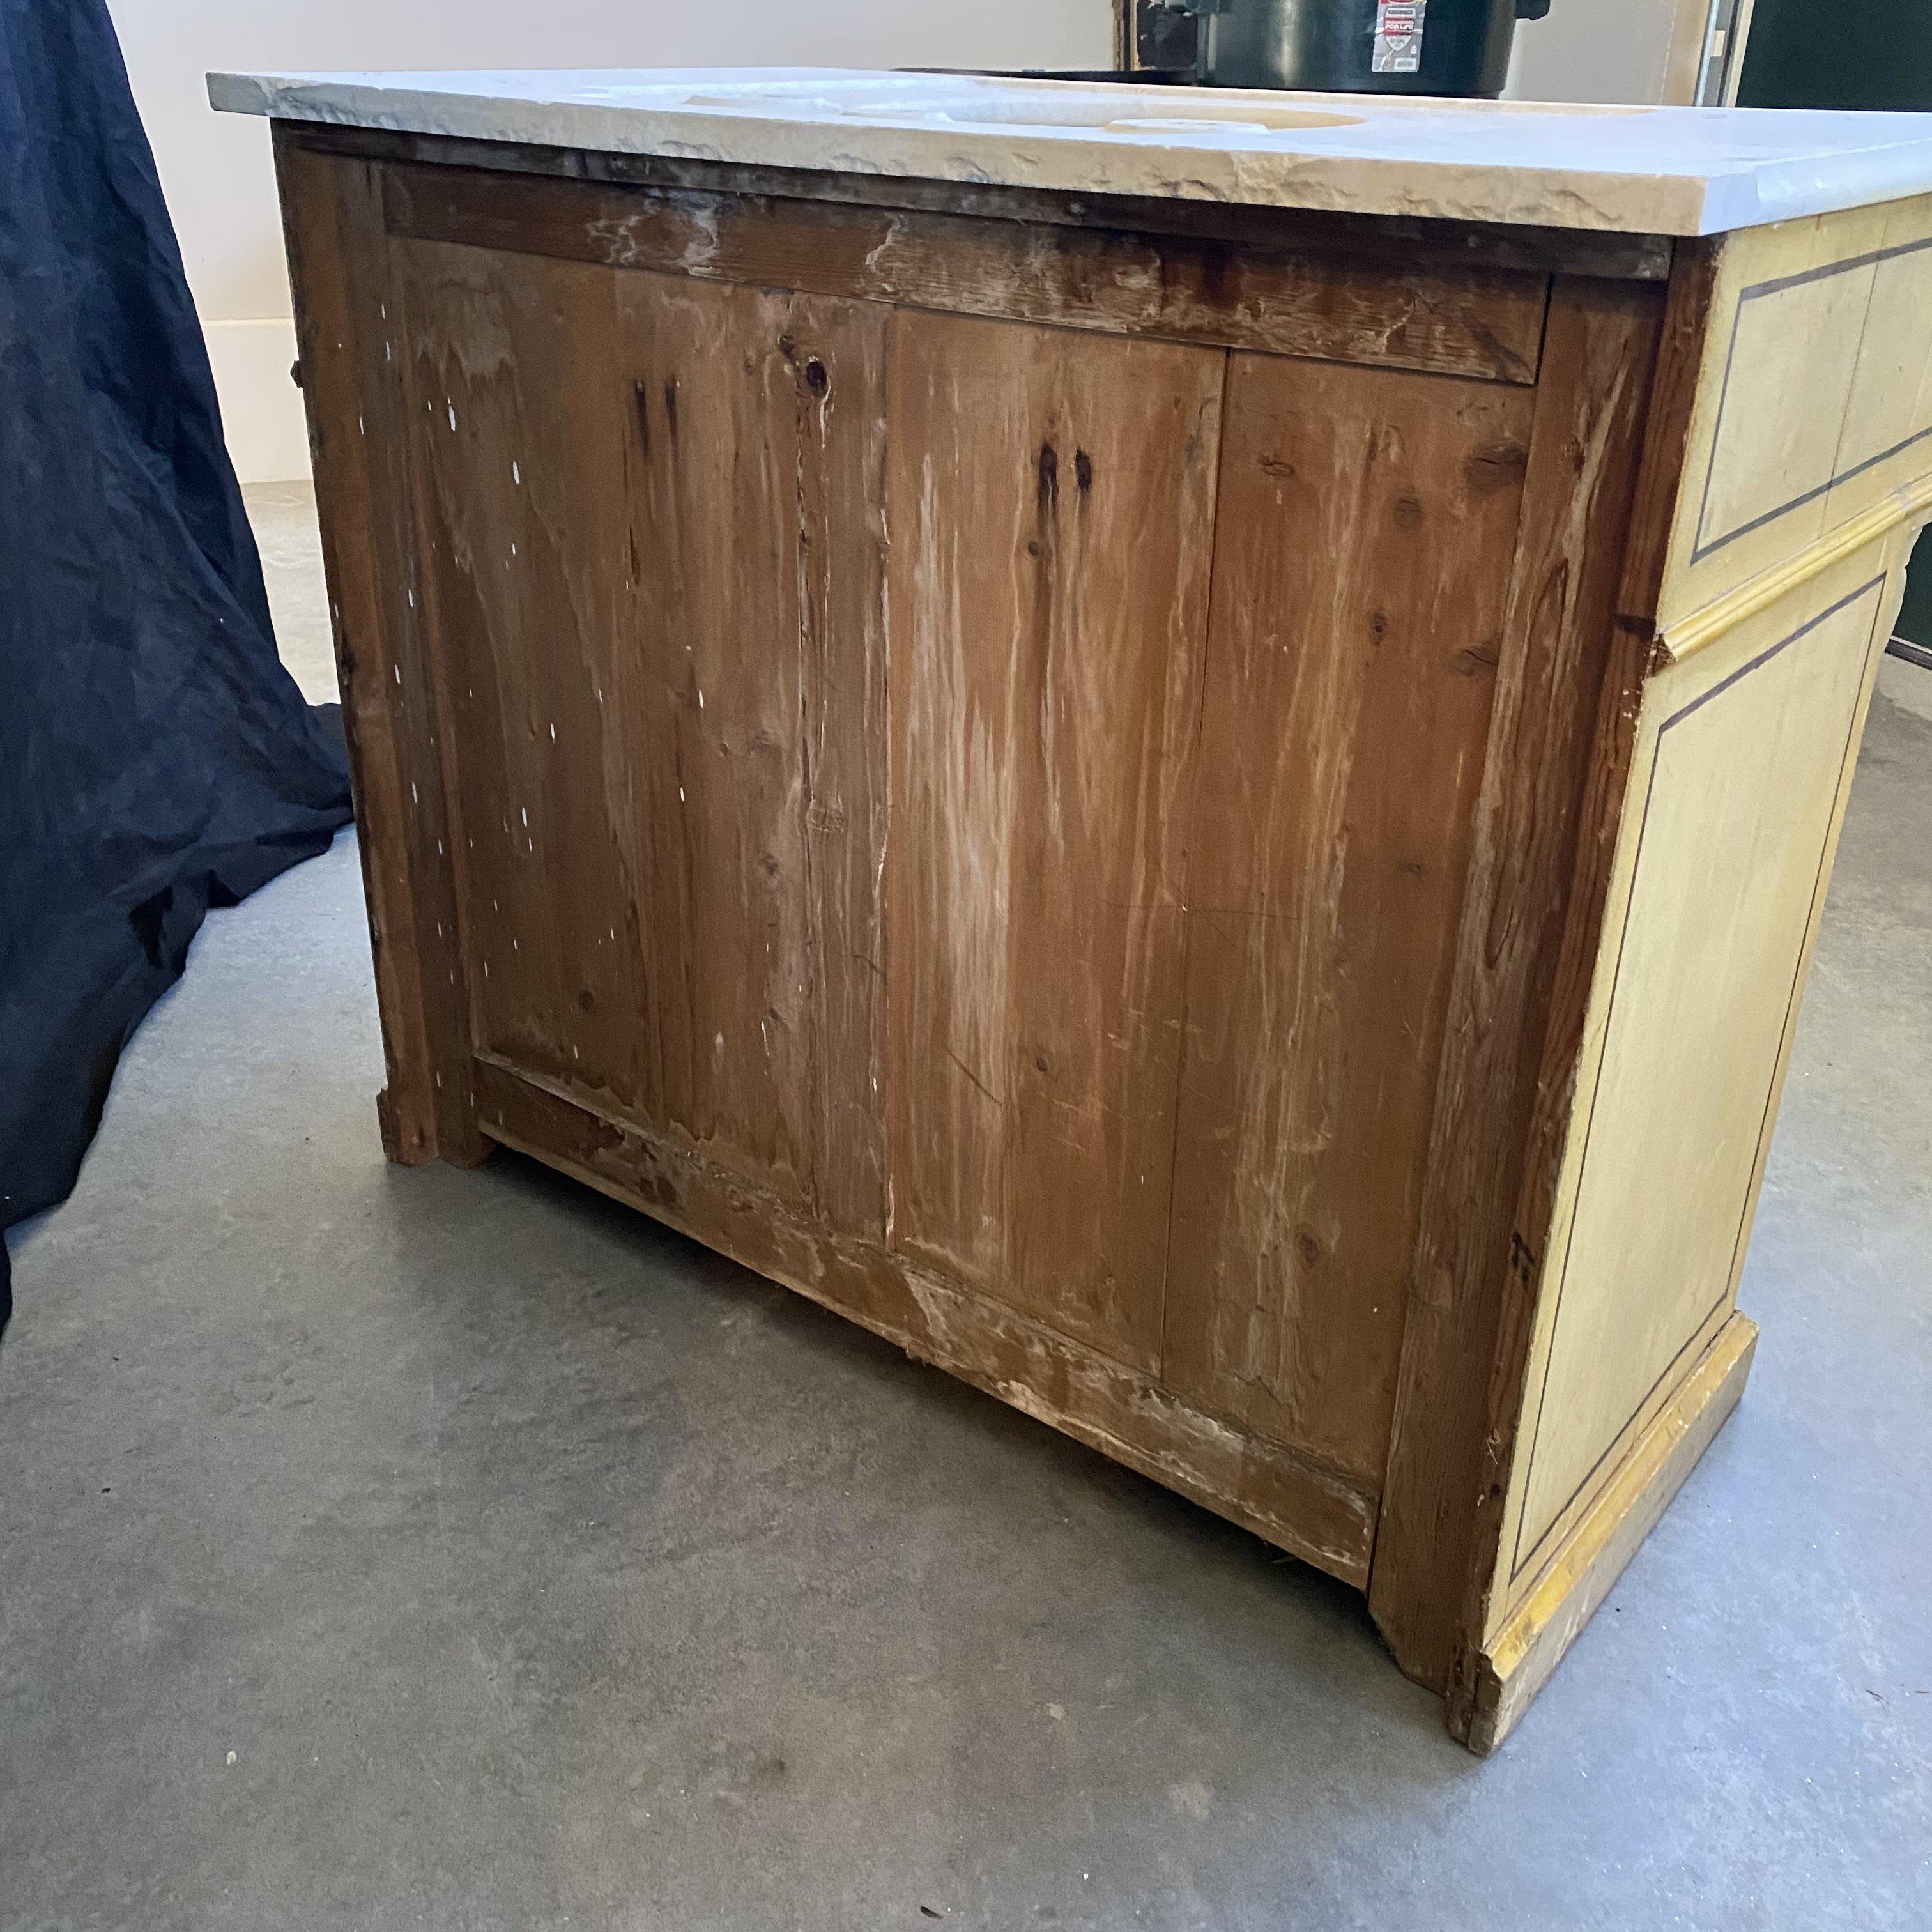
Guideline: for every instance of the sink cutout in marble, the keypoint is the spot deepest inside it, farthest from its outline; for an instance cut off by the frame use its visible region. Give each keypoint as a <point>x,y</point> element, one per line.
<point>1099,116</point>
<point>767,102</point>
<point>1096,110</point>
<point>1176,123</point>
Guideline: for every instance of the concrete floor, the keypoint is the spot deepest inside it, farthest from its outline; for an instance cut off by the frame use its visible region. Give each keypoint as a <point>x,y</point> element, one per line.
<point>393,1549</point>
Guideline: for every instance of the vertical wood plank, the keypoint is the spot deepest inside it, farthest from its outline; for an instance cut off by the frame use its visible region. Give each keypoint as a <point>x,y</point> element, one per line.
<point>757,541</point>
<point>340,266</point>
<point>512,378</point>
<point>836,355</point>
<point>1051,507</point>
<point>1546,821</point>
<point>657,554</point>
<point>1366,529</point>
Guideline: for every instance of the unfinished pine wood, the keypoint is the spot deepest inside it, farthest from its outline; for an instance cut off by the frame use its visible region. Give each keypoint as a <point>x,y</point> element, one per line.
<point>505,369</point>
<point>358,439</point>
<point>1743,757</point>
<point>1415,243</point>
<point>1470,321</point>
<point>1366,526</point>
<point>1673,405</point>
<point>670,812</point>
<point>1565,665</point>
<point>1045,705</point>
<point>757,421</point>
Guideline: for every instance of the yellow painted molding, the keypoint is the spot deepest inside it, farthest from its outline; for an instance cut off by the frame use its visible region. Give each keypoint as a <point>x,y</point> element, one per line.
<point>1689,635</point>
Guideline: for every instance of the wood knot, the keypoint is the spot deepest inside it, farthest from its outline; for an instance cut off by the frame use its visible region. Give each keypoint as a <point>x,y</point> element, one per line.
<point>1497,466</point>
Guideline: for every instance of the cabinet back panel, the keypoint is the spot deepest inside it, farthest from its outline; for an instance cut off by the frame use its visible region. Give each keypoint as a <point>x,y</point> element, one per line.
<point>655,791</point>
<point>1366,525</point>
<point>1052,511</point>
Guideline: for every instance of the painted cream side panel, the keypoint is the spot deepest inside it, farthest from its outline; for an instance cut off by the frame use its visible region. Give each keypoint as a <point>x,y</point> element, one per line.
<point>1888,435</point>
<point>1785,343</point>
<point>1814,398</point>
<point>1743,758</point>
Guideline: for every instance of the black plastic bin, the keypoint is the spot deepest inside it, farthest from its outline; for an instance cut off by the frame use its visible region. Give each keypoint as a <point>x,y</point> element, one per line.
<point>1362,47</point>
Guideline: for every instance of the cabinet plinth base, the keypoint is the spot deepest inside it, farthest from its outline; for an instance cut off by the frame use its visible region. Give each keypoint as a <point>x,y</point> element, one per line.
<point>1497,1685</point>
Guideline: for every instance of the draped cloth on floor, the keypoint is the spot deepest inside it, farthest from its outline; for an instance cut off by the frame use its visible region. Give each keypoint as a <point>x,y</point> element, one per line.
<point>155,758</point>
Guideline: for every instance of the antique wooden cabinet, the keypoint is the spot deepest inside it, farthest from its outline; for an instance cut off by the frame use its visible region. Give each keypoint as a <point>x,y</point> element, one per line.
<point>1209,815</point>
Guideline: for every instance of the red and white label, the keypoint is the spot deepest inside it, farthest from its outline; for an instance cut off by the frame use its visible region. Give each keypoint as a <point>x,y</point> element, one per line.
<point>1398,37</point>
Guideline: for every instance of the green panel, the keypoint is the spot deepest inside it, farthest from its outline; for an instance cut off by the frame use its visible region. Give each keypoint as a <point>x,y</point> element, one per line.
<point>1849,53</point>
<point>1914,621</point>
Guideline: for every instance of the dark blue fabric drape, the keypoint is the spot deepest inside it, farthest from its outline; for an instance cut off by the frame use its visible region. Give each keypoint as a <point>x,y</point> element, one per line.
<point>155,759</point>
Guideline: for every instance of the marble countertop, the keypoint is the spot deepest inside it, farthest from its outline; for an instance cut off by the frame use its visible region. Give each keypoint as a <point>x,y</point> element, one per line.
<point>1655,171</point>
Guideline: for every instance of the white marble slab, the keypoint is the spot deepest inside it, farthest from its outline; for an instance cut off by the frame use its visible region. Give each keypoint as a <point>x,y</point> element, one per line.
<point>1657,170</point>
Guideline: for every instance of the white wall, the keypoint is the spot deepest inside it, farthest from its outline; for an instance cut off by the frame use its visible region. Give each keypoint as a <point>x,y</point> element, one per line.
<point>216,171</point>
<point>1608,50</point>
